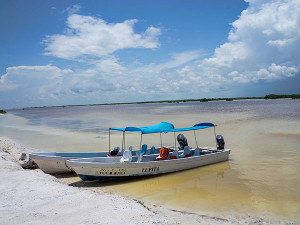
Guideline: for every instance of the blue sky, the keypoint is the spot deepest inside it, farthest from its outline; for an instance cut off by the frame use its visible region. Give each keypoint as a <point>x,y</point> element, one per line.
<point>88,52</point>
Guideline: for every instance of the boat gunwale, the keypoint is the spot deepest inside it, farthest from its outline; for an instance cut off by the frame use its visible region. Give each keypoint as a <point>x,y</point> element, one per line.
<point>43,156</point>
<point>76,162</point>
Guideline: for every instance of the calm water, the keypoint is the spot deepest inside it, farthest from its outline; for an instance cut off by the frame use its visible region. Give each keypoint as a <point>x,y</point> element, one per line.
<point>261,178</point>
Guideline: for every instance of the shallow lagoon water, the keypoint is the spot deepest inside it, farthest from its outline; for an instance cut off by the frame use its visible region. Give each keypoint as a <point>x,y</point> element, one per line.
<point>261,178</point>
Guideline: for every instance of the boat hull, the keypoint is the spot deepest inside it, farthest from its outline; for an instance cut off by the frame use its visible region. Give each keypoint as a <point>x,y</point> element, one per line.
<point>55,163</point>
<point>89,170</point>
<point>53,167</point>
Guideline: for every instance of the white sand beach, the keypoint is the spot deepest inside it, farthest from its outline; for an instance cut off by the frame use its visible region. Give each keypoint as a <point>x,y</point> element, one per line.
<point>32,197</point>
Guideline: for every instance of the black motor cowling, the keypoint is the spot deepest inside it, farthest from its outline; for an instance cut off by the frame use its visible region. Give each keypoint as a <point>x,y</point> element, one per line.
<point>182,141</point>
<point>221,142</point>
<point>115,151</point>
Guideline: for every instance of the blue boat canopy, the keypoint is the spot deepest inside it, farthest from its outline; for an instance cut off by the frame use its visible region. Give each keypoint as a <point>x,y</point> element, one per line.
<point>195,127</point>
<point>163,127</point>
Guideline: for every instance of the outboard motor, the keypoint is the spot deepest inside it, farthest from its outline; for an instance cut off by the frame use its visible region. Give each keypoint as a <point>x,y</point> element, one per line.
<point>221,142</point>
<point>182,141</point>
<point>115,151</point>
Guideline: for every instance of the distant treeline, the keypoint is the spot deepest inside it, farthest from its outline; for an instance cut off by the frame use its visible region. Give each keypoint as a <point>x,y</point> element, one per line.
<point>273,96</point>
<point>2,111</point>
<point>212,99</point>
<point>270,96</point>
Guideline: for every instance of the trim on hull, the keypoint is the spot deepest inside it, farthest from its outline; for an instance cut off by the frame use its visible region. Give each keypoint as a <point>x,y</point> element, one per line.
<point>90,178</point>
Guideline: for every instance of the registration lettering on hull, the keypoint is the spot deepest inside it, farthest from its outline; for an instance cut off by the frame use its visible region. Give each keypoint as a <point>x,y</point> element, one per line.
<point>111,172</point>
<point>150,169</point>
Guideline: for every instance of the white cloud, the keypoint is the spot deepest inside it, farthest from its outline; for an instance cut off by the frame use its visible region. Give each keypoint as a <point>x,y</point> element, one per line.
<point>33,81</point>
<point>272,73</point>
<point>227,54</point>
<point>177,60</point>
<point>73,9</point>
<point>109,65</point>
<point>106,80</point>
<point>263,45</point>
<point>281,43</point>
<point>88,36</point>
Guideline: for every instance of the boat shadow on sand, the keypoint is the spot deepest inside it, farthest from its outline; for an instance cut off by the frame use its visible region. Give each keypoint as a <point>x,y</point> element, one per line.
<point>173,178</point>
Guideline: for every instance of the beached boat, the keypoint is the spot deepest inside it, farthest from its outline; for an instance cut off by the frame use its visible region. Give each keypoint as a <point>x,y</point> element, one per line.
<point>169,159</point>
<point>55,162</point>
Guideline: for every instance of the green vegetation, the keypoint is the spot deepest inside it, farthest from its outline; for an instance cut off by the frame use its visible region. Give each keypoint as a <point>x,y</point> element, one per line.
<point>2,111</point>
<point>142,203</point>
<point>203,100</point>
<point>273,96</point>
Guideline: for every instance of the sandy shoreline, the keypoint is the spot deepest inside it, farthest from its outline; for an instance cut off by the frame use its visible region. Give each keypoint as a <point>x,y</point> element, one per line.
<point>32,197</point>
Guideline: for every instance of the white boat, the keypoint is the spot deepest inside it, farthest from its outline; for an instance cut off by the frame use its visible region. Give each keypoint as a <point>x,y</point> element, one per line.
<point>101,168</point>
<point>55,162</point>
<point>169,160</point>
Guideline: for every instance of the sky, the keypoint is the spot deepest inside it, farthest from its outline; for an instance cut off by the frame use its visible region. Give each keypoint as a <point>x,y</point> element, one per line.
<point>55,52</point>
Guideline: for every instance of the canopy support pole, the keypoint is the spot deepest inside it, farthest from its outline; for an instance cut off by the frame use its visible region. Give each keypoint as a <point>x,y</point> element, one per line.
<point>216,137</point>
<point>123,142</point>
<point>175,140</point>
<point>160,140</point>
<point>109,140</point>
<point>196,139</point>
<point>141,141</point>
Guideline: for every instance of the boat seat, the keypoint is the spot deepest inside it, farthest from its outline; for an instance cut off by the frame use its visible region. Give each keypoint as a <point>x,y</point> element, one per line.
<point>152,151</point>
<point>144,149</point>
<point>127,155</point>
<point>174,155</point>
<point>186,152</point>
<point>142,152</point>
<point>197,152</point>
